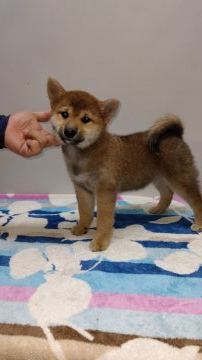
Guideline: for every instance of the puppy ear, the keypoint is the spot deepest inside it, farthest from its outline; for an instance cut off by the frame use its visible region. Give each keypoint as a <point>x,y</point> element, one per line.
<point>109,108</point>
<point>55,91</point>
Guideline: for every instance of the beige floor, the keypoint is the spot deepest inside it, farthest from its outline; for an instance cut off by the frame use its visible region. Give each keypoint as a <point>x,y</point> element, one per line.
<point>31,348</point>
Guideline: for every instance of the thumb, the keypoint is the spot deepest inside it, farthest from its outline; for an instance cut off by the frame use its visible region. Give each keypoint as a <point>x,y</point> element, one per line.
<point>42,116</point>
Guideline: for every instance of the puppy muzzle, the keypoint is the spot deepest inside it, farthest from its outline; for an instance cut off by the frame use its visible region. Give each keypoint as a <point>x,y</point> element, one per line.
<point>70,135</point>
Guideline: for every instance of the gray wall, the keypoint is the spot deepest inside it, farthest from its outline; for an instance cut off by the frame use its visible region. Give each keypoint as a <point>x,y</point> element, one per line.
<point>147,53</point>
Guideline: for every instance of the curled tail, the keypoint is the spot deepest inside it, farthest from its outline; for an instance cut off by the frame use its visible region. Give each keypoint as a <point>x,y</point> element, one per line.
<point>167,126</point>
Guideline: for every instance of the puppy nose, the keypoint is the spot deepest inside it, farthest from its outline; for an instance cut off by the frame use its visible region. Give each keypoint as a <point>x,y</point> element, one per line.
<point>69,133</point>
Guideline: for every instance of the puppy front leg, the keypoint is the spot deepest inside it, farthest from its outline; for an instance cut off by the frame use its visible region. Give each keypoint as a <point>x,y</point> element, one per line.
<point>86,203</point>
<point>106,201</point>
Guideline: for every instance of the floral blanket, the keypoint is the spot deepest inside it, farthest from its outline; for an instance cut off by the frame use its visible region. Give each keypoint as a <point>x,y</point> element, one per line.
<point>139,299</point>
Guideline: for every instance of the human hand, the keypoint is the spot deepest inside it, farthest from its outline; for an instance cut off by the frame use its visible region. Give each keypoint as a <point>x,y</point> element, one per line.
<point>25,136</point>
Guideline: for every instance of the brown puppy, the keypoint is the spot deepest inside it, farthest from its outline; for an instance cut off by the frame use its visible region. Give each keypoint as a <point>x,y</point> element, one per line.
<point>101,164</point>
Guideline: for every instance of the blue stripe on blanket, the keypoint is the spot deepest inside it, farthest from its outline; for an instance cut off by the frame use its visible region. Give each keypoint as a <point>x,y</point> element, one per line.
<point>180,227</point>
<point>42,239</point>
<point>133,268</point>
<point>152,253</point>
<point>163,244</point>
<point>15,313</point>
<point>111,320</point>
<point>143,284</point>
<point>121,267</point>
<point>141,323</point>
<point>30,281</point>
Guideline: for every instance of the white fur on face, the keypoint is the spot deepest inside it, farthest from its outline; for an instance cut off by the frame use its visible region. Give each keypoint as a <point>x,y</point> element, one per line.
<point>56,129</point>
<point>89,139</point>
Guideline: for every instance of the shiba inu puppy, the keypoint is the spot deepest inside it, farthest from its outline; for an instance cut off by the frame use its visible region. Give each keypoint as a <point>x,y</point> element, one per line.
<point>101,164</point>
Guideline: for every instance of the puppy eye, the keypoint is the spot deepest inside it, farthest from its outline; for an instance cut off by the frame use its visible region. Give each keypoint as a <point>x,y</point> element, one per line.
<point>85,119</point>
<point>64,114</point>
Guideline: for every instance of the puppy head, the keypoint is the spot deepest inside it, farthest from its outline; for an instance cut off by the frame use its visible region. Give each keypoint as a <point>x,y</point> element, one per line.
<point>78,118</point>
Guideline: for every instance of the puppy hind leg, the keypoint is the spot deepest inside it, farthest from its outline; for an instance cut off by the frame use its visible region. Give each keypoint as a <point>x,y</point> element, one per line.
<point>166,195</point>
<point>190,192</point>
<point>86,204</point>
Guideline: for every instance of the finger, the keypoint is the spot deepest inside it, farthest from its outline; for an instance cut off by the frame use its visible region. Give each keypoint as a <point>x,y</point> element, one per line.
<point>30,148</point>
<point>42,116</point>
<point>34,147</point>
<point>51,141</point>
<point>38,135</point>
<point>45,138</point>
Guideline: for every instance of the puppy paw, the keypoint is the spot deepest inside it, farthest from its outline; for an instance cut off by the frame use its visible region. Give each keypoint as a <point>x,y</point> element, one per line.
<point>99,244</point>
<point>156,210</point>
<point>78,230</point>
<point>196,227</point>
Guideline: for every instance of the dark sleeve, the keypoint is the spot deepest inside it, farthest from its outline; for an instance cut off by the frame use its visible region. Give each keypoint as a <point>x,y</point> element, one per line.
<point>3,123</point>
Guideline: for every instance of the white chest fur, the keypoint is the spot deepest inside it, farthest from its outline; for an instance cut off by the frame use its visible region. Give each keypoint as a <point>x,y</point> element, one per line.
<point>78,168</point>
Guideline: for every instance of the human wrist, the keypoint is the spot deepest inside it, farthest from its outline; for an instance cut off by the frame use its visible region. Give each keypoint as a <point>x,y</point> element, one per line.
<point>3,125</point>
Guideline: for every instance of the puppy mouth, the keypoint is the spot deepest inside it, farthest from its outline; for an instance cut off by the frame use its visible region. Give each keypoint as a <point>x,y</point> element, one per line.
<point>77,139</point>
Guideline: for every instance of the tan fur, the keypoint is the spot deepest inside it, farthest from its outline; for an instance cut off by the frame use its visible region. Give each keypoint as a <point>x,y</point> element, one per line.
<point>101,164</point>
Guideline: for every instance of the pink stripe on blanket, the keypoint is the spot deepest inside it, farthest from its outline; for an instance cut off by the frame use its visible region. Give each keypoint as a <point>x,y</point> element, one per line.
<point>148,303</point>
<point>24,197</point>
<point>179,199</point>
<point>16,293</point>
<point>175,197</point>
